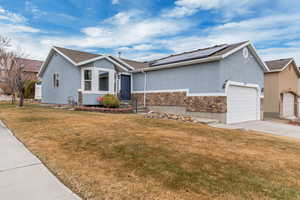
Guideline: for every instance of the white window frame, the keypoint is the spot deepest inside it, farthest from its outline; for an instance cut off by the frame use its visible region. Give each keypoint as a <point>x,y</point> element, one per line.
<point>84,80</point>
<point>95,80</point>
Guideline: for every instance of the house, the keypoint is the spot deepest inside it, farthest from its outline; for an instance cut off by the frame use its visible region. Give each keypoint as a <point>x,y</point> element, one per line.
<point>223,82</point>
<point>281,89</point>
<point>30,70</point>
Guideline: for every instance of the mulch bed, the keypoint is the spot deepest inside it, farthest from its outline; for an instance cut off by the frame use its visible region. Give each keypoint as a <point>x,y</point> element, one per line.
<point>105,110</point>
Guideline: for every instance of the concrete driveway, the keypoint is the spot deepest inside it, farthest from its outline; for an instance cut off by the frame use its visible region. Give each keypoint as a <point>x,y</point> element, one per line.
<point>275,128</point>
<point>23,176</point>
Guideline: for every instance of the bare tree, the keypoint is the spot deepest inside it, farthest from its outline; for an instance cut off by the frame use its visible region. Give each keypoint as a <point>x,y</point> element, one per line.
<point>4,42</point>
<point>13,67</point>
<point>20,77</point>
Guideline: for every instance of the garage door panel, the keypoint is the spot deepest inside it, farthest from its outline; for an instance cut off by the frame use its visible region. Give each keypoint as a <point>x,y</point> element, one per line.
<point>288,105</point>
<point>242,104</point>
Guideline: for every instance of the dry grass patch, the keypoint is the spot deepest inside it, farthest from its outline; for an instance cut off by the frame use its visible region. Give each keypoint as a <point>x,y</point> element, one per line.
<point>110,156</point>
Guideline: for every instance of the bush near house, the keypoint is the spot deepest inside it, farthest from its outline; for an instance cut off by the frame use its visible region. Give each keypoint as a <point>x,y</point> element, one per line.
<point>110,101</point>
<point>30,90</point>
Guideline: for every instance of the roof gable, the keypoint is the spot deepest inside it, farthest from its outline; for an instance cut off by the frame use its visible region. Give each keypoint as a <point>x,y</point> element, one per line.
<point>79,58</point>
<point>221,52</point>
<point>30,65</point>
<point>278,65</point>
<point>76,56</point>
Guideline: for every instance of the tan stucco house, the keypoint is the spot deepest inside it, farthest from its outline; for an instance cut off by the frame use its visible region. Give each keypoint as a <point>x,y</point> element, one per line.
<point>282,87</point>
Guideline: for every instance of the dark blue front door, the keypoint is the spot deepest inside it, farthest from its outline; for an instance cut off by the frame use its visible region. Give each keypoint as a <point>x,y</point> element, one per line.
<point>125,87</point>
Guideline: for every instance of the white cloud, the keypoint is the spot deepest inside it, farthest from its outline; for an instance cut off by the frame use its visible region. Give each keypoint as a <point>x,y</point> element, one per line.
<point>33,9</point>
<point>228,7</point>
<point>22,35</point>
<point>143,47</point>
<point>144,55</point>
<point>111,34</point>
<point>279,53</point>
<point>11,17</point>
<point>115,1</point>
<point>273,29</point>
<point>123,18</point>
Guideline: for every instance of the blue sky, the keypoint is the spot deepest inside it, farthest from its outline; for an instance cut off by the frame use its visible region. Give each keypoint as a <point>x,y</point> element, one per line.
<point>148,29</point>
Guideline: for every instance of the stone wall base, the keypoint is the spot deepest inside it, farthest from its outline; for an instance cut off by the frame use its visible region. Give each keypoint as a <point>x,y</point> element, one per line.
<point>206,104</point>
<point>210,107</point>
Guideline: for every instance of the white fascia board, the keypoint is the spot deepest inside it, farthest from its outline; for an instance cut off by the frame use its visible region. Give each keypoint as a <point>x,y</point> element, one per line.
<point>179,90</point>
<point>280,70</point>
<point>99,58</point>
<point>295,66</point>
<point>287,64</point>
<point>45,64</point>
<point>121,61</point>
<point>90,60</point>
<point>240,84</point>
<point>179,64</point>
<point>253,51</point>
<point>63,55</point>
<point>235,50</point>
<point>114,62</point>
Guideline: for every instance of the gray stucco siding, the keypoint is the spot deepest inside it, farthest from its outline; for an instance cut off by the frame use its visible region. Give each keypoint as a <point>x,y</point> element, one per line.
<point>90,99</point>
<point>69,81</point>
<point>102,63</point>
<point>204,78</point>
<point>240,69</point>
<point>199,78</point>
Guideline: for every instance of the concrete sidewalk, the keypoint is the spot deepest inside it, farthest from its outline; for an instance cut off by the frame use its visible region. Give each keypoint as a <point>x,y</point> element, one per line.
<point>270,127</point>
<point>23,176</point>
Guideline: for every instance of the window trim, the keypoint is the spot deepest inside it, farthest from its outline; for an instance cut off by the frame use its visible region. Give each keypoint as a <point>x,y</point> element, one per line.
<point>95,80</point>
<point>99,81</point>
<point>89,80</point>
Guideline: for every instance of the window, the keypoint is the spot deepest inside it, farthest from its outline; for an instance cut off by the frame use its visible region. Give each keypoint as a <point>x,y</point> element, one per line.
<point>103,81</point>
<point>87,80</point>
<point>55,80</point>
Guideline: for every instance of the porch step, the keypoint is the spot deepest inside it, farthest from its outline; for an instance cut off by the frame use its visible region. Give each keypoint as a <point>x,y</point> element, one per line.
<point>126,104</point>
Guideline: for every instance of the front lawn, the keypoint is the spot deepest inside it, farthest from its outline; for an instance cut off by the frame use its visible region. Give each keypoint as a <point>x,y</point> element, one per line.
<point>111,156</point>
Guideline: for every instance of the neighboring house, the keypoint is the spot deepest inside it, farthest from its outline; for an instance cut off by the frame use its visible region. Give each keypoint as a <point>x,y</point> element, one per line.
<point>31,69</point>
<point>222,82</point>
<point>282,89</point>
<point>298,100</point>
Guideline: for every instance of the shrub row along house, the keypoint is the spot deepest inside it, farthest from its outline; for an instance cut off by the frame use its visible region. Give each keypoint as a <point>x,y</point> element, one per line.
<point>224,82</point>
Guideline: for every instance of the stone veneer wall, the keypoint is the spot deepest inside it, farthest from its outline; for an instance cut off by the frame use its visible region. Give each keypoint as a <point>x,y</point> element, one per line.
<point>208,104</point>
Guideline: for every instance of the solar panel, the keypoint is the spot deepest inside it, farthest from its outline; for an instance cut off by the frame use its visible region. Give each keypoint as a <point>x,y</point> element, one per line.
<point>189,56</point>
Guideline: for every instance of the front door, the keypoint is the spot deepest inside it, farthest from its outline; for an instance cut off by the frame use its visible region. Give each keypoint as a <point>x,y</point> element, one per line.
<point>125,87</point>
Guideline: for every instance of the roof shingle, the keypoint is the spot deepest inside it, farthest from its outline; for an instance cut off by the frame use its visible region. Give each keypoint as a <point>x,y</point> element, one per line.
<point>30,65</point>
<point>77,56</point>
<point>220,50</point>
<point>275,65</point>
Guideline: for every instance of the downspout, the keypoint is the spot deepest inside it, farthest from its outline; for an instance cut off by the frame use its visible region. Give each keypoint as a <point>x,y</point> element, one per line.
<point>145,86</point>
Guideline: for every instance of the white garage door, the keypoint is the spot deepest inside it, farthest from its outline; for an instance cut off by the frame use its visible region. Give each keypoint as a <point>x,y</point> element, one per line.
<point>243,104</point>
<point>288,110</point>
